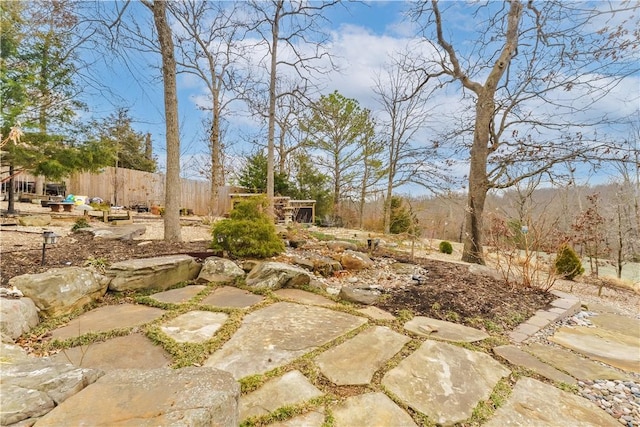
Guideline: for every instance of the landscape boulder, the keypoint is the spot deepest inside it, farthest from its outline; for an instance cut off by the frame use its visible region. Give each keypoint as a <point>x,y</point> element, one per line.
<point>17,316</point>
<point>276,275</point>
<point>159,273</point>
<point>341,245</point>
<point>352,260</point>
<point>34,220</point>
<point>219,270</point>
<point>31,387</point>
<point>118,232</point>
<point>60,291</point>
<point>319,264</point>
<point>360,294</point>
<point>192,396</point>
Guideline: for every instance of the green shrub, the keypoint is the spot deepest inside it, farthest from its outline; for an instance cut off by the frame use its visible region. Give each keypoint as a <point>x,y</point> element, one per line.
<point>80,223</point>
<point>567,263</point>
<point>249,232</point>
<point>446,248</point>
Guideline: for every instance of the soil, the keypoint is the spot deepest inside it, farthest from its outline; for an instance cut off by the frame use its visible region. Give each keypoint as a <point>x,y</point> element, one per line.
<point>452,293</point>
<point>449,293</point>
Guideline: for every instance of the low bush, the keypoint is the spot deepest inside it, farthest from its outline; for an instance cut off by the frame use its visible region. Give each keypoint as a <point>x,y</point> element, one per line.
<point>248,232</point>
<point>567,263</point>
<point>79,224</point>
<point>446,247</point>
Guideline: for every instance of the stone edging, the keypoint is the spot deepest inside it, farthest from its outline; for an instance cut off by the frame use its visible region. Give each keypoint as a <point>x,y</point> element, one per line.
<point>564,306</point>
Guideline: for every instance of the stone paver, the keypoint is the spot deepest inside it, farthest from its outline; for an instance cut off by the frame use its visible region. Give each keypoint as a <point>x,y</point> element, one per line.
<point>534,403</point>
<point>371,410</point>
<point>443,381</point>
<point>180,295</point>
<point>131,351</point>
<point>356,360</point>
<point>304,297</point>
<point>612,348</point>
<point>520,358</point>
<point>194,326</point>
<point>152,397</point>
<point>277,334</point>
<point>441,329</point>
<point>578,367</point>
<point>229,296</point>
<point>620,324</point>
<point>376,313</point>
<point>310,419</point>
<point>106,318</point>
<point>290,389</point>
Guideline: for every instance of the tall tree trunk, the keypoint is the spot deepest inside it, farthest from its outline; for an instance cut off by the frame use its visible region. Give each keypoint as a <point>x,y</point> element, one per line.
<point>275,31</point>
<point>11,193</point>
<point>216,162</point>
<point>478,183</point>
<point>387,205</point>
<point>172,181</point>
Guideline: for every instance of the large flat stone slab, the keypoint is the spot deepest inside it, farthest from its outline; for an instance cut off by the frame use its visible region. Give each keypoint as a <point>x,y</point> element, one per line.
<point>290,389</point>
<point>534,403</point>
<point>356,360</point>
<point>131,352</point>
<point>612,348</point>
<point>304,297</point>
<point>277,334</point>
<point>443,330</point>
<point>520,358</point>
<point>578,367</point>
<point>156,397</point>
<point>106,318</point>
<point>194,326</point>
<point>620,324</point>
<point>180,295</point>
<point>371,409</point>
<point>443,381</point>
<point>230,297</point>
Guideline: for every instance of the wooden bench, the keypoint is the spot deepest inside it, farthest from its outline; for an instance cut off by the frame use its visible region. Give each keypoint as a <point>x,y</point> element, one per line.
<point>111,217</point>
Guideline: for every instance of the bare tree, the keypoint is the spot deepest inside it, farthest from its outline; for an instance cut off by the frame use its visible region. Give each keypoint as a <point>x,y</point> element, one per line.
<point>208,48</point>
<point>292,26</point>
<point>172,181</point>
<point>404,117</point>
<point>528,55</point>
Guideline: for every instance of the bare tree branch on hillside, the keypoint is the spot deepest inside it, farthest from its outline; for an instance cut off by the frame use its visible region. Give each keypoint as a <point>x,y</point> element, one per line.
<point>536,73</point>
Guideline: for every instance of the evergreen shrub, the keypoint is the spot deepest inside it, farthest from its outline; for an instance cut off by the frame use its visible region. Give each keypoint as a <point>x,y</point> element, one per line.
<point>446,247</point>
<point>567,263</point>
<point>248,232</point>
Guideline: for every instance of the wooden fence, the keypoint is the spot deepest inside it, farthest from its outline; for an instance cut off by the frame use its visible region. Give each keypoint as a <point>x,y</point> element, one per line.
<point>127,187</point>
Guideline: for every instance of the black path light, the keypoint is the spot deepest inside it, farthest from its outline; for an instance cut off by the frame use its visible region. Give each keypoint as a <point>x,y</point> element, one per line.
<point>48,238</point>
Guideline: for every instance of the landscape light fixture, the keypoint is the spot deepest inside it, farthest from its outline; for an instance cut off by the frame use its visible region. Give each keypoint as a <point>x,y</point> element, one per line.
<point>48,238</point>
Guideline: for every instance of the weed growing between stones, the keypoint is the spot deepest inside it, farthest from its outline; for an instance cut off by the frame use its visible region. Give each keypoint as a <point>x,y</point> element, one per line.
<point>485,409</point>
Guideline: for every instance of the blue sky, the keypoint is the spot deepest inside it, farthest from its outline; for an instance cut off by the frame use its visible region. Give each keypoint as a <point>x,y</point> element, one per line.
<point>363,36</point>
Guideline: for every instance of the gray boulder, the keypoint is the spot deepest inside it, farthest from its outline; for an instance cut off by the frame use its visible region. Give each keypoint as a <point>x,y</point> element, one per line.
<point>360,295</point>
<point>34,220</point>
<point>341,245</point>
<point>276,275</point>
<point>219,270</point>
<point>352,260</point>
<point>152,273</point>
<point>158,397</point>
<point>31,387</point>
<point>60,291</point>
<point>17,316</point>
<point>118,232</point>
